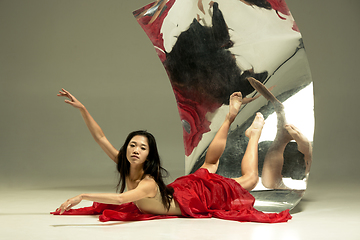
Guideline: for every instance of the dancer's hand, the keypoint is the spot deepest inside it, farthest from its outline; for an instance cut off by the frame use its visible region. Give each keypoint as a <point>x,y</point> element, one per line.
<point>71,99</point>
<point>66,206</point>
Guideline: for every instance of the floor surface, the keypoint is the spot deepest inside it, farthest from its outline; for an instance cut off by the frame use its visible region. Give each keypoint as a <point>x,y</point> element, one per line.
<point>324,213</point>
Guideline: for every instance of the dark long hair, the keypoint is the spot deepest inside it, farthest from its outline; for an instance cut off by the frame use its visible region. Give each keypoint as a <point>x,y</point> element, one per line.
<point>202,64</point>
<point>151,167</point>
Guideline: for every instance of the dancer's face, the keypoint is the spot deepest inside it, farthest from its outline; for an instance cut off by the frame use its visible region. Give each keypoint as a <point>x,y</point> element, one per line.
<point>137,150</point>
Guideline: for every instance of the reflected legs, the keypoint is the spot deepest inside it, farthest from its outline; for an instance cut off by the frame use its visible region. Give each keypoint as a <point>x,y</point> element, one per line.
<point>274,159</point>
<point>249,164</point>
<point>304,145</point>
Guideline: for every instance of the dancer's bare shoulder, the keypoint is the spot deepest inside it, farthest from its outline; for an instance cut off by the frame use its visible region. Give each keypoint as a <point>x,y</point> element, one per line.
<point>139,189</point>
<point>148,186</point>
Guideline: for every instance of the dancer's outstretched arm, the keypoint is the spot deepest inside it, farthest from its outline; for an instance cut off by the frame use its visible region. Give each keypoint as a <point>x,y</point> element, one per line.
<point>146,188</point>
<point>93,127</point>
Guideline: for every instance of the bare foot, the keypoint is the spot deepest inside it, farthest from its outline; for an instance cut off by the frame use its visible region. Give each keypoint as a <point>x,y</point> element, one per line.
<point>249,4</point>
<point>258,86</point>
<point>201,6</point>
<point>234,105</point>
<point>282,135</point>
<point>256,127</point>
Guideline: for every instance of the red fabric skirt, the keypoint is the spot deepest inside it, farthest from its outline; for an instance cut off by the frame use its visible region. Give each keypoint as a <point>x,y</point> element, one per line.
<point>200,195</point>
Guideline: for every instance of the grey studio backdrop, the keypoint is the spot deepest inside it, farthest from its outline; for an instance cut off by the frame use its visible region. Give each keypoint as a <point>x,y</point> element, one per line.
<point>97,51</point>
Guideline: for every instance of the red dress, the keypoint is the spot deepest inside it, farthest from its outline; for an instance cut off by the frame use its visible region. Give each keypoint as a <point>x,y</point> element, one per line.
<point>200,195</point>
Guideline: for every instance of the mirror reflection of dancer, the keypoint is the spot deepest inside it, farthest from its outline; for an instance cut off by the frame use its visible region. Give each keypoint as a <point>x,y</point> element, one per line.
<point>274,159</point>
<point>249,164</point>
<point>201,194</point>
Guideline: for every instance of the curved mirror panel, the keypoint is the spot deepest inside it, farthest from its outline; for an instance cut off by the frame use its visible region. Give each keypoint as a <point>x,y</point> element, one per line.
<point>212,49</point>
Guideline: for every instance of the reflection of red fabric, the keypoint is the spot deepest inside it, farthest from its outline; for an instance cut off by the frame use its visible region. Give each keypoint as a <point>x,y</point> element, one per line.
<point>152,30</point>
<point>194,114</point>
<point>189,110</point>
<point>280,6</point>
<point>295,27</point>
<point>200,195</point>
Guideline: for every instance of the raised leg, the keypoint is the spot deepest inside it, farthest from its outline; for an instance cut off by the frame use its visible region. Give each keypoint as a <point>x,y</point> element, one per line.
<point>218,144</point>
<point>274,160</point>
<point>271,176</point>
<point>249,164</point>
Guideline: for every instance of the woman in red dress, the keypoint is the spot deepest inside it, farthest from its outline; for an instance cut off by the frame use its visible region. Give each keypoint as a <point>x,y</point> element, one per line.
<point>202,194</point>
